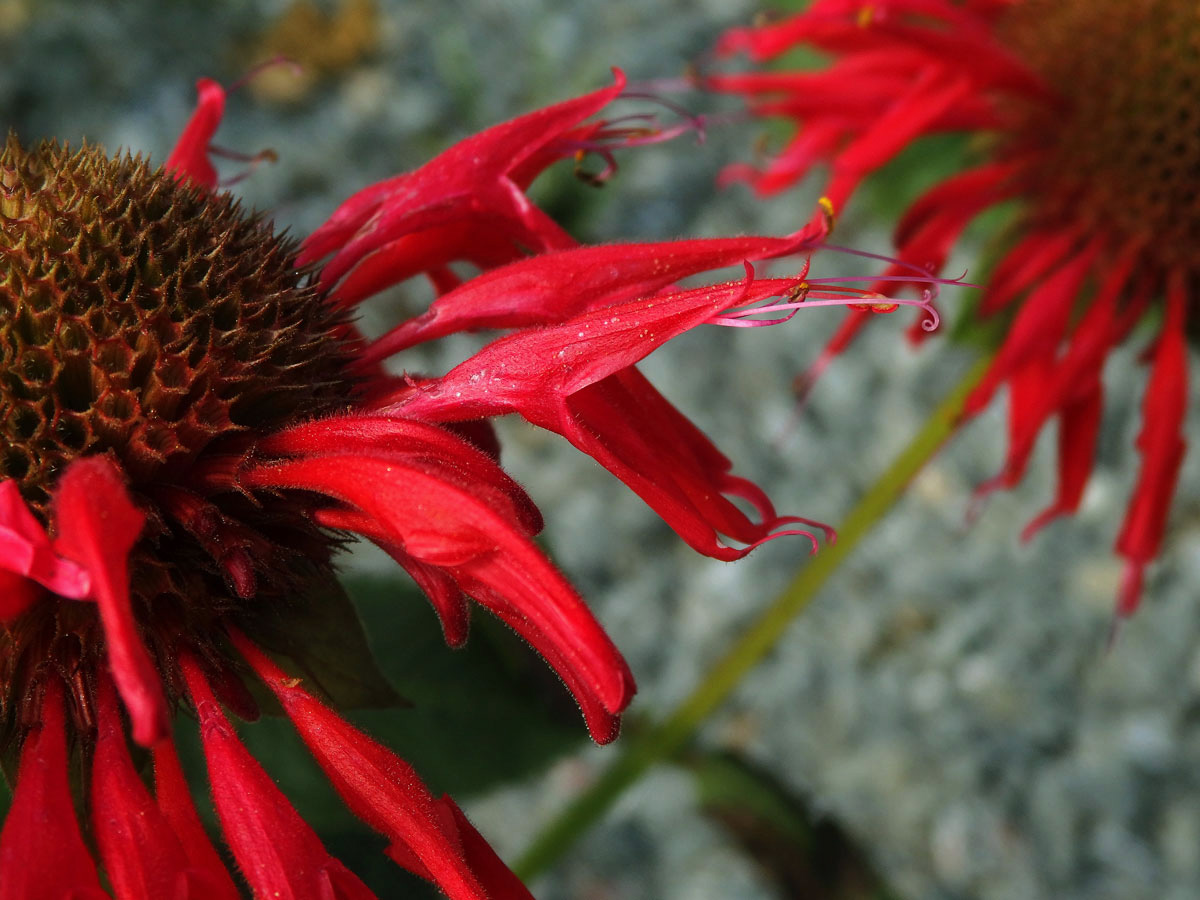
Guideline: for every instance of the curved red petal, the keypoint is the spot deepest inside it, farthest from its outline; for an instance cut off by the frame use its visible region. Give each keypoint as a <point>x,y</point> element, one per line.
<point>1162,447</point>
<point>26,550</point>
<point>532,371</point>
<point>1038,327</point>
<point>434,447</point>
<point>205,870</point>
<point>42,854</point>
<point>379,787</point>
<point>551,287</point>
<point>189,158</point>
<point>443,591</point>
<point>501,883</point>
<point>471,179</point>
<point>97,527</point>
<point>279,855</point>
<point>447,526</point>
<point>141,855</point>
<point>576,379</point>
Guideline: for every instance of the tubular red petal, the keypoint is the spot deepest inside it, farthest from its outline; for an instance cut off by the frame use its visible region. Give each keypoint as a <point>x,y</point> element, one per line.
<point>471,179</point>
<point>1162,447</point>
<point>530,372</point>
<point>442,590</point>
<point>1070,386</point>
<point>552,287</point>
<point>938,217</point>
<point>1075,391</point>
<point>433,446</point>
<point>1026,264</point>
<point>26,550</point>
<point>379,787</point>
<point>985,61</point>
<point>1038,327</point>
<point>971,190</point>
<point>911,116</point>
<point>42,854</point>
<point>1079,424</point>
<point>140,853</point>
<point>938,30</point>
<point>278,854</point>
<point>205,871</point>
<point>443,206</point>
<point>501,883</point>
<point>878,79</point>
<point>1027,412</point>
<point>189,159</point>
<point>97,527</point>
<point>445,525</point>
<point>576,380</point>
<point>770,40</point>
<point>808,147</point>
<point>504,587</point>
<point>666,460</point>
<point>482,241</point>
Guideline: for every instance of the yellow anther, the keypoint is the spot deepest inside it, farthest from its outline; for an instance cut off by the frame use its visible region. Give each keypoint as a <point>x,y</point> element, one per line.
<point>827,208</point>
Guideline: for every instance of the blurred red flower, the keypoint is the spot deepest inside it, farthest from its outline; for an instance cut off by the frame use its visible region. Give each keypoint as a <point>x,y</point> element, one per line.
<point>1086,115</point>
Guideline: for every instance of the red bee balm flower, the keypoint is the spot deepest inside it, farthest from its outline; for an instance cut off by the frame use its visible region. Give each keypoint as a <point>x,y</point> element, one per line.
<point>1089,108</point>
<point>193,428</point>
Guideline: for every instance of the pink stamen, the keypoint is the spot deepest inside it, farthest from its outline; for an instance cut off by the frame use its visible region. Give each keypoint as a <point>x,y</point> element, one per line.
<point>850,251</point>
<point>655,87</point>
<point>697,120</point>
<point>905,279</point>
<point>738,318</point>
<point>254,159</point>
<point>828,530</point>
<point>612,134</point>
<point>237,156</point>
<point>836,294</point>
<point>814,546</point>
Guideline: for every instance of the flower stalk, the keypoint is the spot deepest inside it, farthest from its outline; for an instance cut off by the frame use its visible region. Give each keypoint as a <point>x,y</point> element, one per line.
<point>660,742</point>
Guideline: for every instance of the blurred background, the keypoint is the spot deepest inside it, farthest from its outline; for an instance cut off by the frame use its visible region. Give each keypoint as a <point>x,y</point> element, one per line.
<point>946,721</point>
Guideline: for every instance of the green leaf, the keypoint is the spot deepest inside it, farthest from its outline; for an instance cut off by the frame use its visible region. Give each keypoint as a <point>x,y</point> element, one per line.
<point>323,636</point>
<point>490,712</point>
<point>807,855</point>
<point>915,169</point>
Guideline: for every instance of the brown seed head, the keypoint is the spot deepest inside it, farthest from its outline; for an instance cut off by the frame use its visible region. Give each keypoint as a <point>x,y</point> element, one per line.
<point>159,324</point>
<point>144,318</point>
<point>1123,154</point>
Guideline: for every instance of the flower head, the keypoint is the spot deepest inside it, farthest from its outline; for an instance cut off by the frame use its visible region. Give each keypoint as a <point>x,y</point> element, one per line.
<point>1087,117</point>
<point>194,427</point>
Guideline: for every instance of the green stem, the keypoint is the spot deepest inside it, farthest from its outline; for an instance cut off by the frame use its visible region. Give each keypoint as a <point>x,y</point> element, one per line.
<point>662,741</point>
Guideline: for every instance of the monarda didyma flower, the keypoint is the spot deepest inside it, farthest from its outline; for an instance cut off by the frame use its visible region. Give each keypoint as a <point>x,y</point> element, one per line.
<point>193,427</point>
<point>1090,115</point>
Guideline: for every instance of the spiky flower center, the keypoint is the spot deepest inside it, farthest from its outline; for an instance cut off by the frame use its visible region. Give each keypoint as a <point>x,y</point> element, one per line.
<point>157,324</point>
<point>145,319</point>
<point>1123,152</point>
